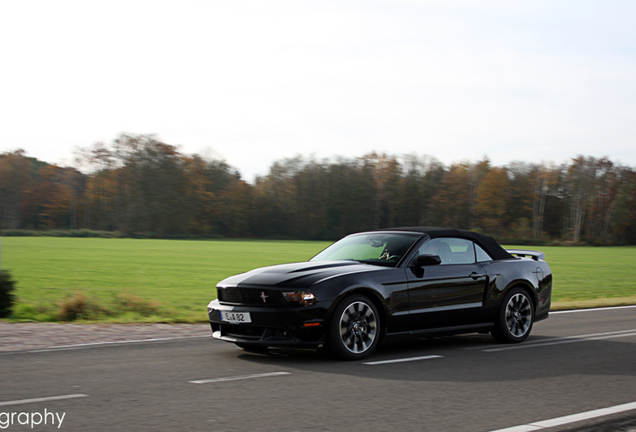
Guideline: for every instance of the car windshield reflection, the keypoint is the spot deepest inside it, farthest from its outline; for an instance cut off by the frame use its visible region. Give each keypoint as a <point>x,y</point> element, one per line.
<point>384,249</point>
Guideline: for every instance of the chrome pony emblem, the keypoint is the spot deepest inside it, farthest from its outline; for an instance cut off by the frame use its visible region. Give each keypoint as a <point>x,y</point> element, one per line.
<point>264,296</point>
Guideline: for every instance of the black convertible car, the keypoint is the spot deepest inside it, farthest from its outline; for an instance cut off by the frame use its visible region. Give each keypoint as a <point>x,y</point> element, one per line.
<point>372,286</point>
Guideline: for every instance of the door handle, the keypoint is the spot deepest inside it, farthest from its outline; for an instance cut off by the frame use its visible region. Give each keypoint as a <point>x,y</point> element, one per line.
<point>476,275</point>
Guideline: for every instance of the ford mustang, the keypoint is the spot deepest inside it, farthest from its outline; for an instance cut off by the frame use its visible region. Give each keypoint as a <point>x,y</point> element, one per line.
<point>380,285</point>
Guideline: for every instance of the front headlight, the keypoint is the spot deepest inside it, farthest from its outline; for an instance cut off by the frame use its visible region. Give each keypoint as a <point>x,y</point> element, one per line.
<point>303,298</point>
<point>210,308</point>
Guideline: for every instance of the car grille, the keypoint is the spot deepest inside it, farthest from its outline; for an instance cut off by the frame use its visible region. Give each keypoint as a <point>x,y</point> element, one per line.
<point>247,332</point>
<point>252,332</point>
<point>249,296</point>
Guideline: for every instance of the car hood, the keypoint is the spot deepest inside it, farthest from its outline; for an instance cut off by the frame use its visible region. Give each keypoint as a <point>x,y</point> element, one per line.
<point>300,275</point>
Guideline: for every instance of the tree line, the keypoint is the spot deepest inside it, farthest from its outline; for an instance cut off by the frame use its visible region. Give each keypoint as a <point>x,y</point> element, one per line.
<point>138,184</point>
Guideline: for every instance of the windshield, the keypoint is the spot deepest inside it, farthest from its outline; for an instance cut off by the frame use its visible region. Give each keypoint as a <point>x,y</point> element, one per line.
<point>376,248</point>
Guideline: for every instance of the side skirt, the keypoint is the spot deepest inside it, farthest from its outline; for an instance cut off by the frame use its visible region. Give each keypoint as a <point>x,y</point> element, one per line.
<point>441,331</point>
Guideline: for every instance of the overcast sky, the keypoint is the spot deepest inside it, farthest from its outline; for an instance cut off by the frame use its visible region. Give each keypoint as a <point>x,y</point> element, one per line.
<point>256,81</point>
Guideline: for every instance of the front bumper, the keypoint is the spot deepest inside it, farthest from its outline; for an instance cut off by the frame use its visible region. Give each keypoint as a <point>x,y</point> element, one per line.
<point>300,326</point>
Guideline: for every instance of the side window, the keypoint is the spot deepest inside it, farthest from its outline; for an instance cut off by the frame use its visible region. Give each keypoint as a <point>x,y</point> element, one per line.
<point>450,250</point>
<point>482,255</point>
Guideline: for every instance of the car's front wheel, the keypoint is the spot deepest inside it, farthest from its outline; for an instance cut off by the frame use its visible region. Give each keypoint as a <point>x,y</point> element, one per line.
<point>355,328</point>
<point>515,318</point>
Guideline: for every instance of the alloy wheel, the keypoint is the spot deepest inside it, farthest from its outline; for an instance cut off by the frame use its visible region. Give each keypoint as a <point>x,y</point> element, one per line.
<point>518,315</point>
<point>358,327</point>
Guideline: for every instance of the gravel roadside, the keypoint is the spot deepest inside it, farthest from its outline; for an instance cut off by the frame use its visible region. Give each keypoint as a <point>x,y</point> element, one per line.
<point>35,336</point>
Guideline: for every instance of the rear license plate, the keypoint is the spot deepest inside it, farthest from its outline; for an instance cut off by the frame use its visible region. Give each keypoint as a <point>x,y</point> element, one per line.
<point>235,317</point>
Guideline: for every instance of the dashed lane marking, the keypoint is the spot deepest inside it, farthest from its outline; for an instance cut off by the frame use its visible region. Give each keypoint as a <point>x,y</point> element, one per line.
<point>42,399</point>
<point>241,377</point>
<point>566,340</point>
<point>402,360</point>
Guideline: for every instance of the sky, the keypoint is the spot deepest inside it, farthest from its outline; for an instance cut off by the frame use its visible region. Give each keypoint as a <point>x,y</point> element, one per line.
<point>254,81</point>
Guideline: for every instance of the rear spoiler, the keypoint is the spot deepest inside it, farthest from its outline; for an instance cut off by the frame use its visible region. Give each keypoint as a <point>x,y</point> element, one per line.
<point>535,255</point>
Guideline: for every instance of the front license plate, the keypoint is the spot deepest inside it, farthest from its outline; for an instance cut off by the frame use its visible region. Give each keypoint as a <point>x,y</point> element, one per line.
<point>235,317</point>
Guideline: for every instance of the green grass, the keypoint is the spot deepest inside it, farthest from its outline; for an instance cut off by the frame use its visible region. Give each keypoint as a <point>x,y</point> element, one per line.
<point>173,280</point>
<point>591,276</point>
<point>179,275</point>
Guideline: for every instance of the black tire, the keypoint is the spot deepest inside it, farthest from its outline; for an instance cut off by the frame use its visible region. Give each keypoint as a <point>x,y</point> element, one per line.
<point>355,328</point>
<point>515,318</point>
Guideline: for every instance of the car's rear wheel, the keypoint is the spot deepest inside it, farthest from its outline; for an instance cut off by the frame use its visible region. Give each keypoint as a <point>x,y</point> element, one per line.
<point>515,318</point>
<point>355,328</point>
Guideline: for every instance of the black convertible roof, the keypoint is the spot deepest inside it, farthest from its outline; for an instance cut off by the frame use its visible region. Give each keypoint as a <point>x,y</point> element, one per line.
<point>489,244</point>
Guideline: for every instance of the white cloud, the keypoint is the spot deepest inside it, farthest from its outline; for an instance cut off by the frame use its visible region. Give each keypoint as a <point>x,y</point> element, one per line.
<point>259,81</point>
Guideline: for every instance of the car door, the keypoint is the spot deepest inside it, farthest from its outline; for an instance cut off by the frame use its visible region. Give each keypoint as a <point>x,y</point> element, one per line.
<point>450,293</point>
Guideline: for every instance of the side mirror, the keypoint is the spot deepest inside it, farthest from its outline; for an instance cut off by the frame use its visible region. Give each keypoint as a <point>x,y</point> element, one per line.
<point>426,260</point>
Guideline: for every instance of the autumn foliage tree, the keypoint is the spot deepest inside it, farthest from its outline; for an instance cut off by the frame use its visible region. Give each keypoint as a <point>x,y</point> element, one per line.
<point>139,185</point>
<point>492,200</point>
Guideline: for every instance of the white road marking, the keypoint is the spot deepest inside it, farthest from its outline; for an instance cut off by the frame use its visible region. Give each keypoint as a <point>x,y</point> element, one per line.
<point>592,310</point>
<point>553,341</point>
<point>565,340</point>
<point>42,399</point>
<point>93,344</point>
<point>402,360</point>
<point>242,377</point>
<point>560,421</point>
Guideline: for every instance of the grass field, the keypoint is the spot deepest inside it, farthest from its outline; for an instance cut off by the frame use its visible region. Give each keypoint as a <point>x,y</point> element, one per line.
<point>128,280</point>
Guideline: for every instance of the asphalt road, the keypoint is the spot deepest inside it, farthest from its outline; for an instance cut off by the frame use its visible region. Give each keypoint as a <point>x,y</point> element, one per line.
<point>572,363</point>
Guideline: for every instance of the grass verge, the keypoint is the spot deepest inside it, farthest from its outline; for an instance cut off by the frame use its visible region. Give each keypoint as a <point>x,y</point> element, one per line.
<point>141,280</point>
<point>177,278</point>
